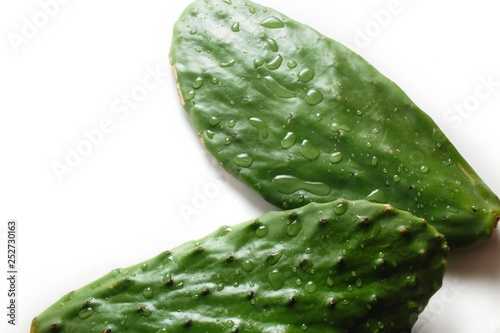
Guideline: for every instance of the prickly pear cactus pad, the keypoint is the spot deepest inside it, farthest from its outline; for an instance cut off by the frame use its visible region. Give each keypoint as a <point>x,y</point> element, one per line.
<point>336,267</point>
<point>300,118</point>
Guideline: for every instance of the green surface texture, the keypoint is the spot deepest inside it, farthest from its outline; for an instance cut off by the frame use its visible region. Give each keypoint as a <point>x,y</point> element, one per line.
<point>344,266</point>
<point>300,118</point>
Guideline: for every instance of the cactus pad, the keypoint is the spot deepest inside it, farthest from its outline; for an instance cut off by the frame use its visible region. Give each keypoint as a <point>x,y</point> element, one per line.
<point>343,266</point>
<point>301,118</point>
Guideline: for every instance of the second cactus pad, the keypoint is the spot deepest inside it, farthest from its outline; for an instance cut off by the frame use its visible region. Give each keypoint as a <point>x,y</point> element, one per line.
<point>301,118</point>
<point>353,267</point>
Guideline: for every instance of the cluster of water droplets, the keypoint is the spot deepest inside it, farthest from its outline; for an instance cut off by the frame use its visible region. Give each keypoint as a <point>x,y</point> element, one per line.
<point>288,184</point>
<point>276,277</point>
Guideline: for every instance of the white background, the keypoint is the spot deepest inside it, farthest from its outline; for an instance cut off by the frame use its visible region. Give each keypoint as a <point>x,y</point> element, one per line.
<point>122,203</point>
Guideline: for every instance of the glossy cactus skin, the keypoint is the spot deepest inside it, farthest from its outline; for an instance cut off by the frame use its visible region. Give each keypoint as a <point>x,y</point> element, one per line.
<point>344,266</point>
<point>300,118</point>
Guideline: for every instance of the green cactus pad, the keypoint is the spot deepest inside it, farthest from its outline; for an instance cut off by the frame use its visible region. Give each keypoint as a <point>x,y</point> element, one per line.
<point>300,118</point>
<point>334,267</point>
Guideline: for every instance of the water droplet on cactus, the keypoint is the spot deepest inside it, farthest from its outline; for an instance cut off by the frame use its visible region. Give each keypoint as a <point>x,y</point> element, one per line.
<point>278,89</point>
<point>292,64</point>
<point>304,327</point>
<point>252,10</point>
<point>214,121</point>
<point>275,63</point>
<point>277,279</point>
<point>452,209</point>
<point>424,169</point>
<point>225,230</point>
<point>294,228</point>
<point>272,22</point>
<point>228,63</point>
<point>306,75</point>
<point>273,45</point>
<point>262,231</point>
<point>309,150</point>
<point>86,313</point>
<point>376,196</point>
<point>235,27</point>
<point>190,95</point>
<point>243,160</point>
<point>288,141</point>
<point>260,125</point>
<point>374,160</point>
<point>341,208</point>
<point>144,267</point>
<point>248,266</point>
<point>310,287</point>
<point>258,63</point>
<point>229,323</point>
<point>397,178</point>
<point>359,283</point>
<point>289,184</point>
<point>193,32</point>
<point>329,282</point>
<point>380,325</point>
<point>336,157</point>
<point>340,128</point>
<point>198,83</point>
<point>274,257</point>
<point>148,292</point>
<point>314,97</point>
